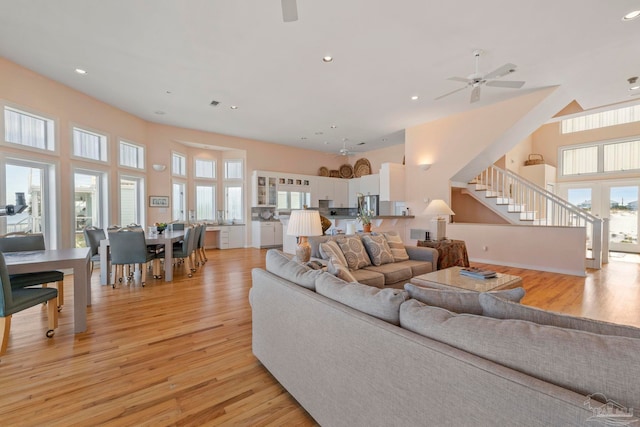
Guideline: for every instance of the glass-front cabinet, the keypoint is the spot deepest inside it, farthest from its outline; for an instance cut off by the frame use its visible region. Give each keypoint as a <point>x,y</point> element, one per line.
<point>265,189</point>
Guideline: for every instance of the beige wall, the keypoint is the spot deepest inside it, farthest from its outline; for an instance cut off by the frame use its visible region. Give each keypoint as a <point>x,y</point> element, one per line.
<point>469,210</point>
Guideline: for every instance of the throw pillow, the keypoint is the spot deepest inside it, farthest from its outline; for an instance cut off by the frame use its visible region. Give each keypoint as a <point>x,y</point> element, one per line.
<point>458,301</point>
<point>281,265</point>
<point>354,252</point>
<point>501,309</point>
<point>381,303</point>
<point>378,249</point>
<point>340,271</point>
<point>331,251</point>
<point>396,245</point>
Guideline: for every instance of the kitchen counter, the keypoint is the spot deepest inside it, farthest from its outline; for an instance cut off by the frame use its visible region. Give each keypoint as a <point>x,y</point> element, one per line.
<point>373,218</point>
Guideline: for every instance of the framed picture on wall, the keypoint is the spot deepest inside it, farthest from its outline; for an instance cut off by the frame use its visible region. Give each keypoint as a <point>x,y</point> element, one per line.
<point>159,201</point>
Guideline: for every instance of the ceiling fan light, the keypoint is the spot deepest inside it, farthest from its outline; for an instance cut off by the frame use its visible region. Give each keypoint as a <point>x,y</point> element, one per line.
<point>327,58</point>
<point>631,15</point>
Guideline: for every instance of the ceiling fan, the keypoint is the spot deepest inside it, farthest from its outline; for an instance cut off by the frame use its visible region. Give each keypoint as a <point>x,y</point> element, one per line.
<point>289,10</point>
<point>476,80</point>
<point>344,151</point>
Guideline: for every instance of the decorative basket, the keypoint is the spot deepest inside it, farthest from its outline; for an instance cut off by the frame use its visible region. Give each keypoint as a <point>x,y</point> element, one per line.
<point>534,159</point>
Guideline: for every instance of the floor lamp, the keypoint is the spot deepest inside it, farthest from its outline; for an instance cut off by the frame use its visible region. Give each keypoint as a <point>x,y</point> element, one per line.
<point>438,209</point>
<point>302,224</point>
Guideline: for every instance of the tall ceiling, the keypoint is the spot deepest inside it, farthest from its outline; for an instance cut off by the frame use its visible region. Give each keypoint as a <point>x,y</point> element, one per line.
<point>167,60</point>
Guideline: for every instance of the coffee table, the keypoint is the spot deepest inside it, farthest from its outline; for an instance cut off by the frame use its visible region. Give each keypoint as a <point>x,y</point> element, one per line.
<point>451,279</point>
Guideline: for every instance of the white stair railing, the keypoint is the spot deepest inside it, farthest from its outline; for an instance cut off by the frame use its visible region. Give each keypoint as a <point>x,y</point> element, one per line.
<point>540,207</point>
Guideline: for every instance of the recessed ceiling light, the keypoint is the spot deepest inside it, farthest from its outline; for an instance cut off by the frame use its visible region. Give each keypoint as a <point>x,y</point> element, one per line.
<point>333,126</point>
<point>634,87</point>
<point>234,107</point>
<point>303,137</point>
<point>414,97</point>
<point>81,71</point>
<point>160,113</point>
<point>631,15</point>
<point>327,58</point>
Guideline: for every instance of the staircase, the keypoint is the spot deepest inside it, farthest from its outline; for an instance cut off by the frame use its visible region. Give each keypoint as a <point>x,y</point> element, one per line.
<point>520,201</point>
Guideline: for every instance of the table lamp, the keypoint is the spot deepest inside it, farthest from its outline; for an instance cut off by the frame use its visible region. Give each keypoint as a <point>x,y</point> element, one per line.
<point>439,209</point>
<point>304,223</point>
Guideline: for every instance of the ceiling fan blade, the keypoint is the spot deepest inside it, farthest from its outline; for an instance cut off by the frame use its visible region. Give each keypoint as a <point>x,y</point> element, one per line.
<point>506,83</point>
<point>459,79</point>
<point>450,93</point>
<point>502,71</point>
<point>475,94</point>
<point>289,10</point>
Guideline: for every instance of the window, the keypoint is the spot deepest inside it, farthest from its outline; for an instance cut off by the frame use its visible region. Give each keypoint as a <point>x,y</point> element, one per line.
<point>89,202</point>
<point>178,164</point>
<point>131,155</point>
<point>179,205</point>
<point>600,158</point>
<point>205,168</point>
<point>131,200</point>
<point>28,129</point>
<point>205,202</point>
<point>89,145</point>
<point>233,202</point>
<point>603,119</point>
<point>233,169</point>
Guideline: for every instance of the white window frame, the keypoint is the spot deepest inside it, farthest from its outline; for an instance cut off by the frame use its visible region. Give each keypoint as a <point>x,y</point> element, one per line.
<point>179,204</point>
<point>226,169</point>
<point>103,147</point>
<point>50,129</point>
<point>178,164</point>
<point>196,169</point>
<point>213,186</point>
<point>139,200</point>
<point>140,157</point>
<point>103,196</point>
<point>234,182</point>
<point>600,158</point>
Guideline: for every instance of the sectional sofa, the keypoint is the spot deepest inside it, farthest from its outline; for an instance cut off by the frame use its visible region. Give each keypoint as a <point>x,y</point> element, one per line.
<point>356,355</point>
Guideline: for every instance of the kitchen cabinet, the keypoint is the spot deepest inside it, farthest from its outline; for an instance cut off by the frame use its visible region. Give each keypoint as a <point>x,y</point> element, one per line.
<point>231,237</point>
<point>392,182</point>
<point>340,193</point>
<point>370,184</point>
<point>334,189</point>
<point>354,189</point>
<point>266,234</point>
<point>265,191</point>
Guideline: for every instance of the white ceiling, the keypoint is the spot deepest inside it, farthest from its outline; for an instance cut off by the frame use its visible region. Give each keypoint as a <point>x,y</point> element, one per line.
<point>177,56</point>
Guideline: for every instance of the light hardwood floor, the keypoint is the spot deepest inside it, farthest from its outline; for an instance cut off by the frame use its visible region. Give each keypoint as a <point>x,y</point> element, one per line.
<point>180,353</point>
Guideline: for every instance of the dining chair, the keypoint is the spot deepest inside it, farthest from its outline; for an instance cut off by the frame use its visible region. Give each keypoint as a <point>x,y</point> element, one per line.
<point>184,252</point>
<point>202,255</point>
<point>92,238</point>
<point>128,247</point>
<point>17,242</point>
<point>13,300</point>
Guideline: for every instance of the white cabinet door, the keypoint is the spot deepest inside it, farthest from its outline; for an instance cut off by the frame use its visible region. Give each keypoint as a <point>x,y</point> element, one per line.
<point>340,193</point>
<point>236,236</point>
<point>277,233</point>
<point>266,234</point>
<point>324,188</point>
<point>354,189</point>
<point>370,184</point>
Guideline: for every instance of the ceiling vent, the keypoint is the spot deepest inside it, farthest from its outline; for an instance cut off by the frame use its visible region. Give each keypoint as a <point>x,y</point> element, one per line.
<point>214,103</point>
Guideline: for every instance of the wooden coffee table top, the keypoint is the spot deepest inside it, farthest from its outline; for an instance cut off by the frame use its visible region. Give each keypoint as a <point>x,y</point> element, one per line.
<point>450,278</point>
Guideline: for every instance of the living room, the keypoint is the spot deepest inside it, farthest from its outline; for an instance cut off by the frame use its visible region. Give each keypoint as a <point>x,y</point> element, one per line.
<point>458,142</point>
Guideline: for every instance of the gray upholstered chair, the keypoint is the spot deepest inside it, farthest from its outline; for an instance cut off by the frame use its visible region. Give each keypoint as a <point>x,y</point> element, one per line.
<point>201,255</point>
<point>21,242</point>
<point>129,247</point>
<point>185,251</point>
<point>13,300</point>
<point>92,237</point>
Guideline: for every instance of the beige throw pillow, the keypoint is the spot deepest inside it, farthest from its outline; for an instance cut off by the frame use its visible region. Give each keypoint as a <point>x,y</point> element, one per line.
<point>331,251</point>
<point>354,252</point>
<point>396,245</point>
<point>340,271</point>
<point>378,249</point>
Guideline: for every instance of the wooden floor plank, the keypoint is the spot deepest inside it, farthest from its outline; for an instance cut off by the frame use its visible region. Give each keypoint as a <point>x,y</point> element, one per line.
<point>179,353</point>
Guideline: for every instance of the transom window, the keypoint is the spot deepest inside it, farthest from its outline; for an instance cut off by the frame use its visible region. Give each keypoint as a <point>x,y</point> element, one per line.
<point>205,168</point>
<point>178,164</point>
<point>28,129</point>
<point>131,155</point>
<point>603,119</point>
<point>89,145</point>
<point>600,158</point>
<point>233,169</point>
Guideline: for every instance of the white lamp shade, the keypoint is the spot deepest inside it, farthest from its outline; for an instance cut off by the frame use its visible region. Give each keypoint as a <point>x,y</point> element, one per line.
<point>304,223</point>
<point>438,207</point>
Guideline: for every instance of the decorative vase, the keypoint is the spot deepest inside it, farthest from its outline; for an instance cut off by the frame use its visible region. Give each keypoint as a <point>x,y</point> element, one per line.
<point>366,228</point>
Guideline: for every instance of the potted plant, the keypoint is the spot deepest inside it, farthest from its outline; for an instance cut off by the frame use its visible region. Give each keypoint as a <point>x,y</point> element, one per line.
<point>364,216</point>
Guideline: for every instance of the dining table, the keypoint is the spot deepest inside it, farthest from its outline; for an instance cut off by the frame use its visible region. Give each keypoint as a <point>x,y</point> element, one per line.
<point>78,259</point>
<point>166,238</point>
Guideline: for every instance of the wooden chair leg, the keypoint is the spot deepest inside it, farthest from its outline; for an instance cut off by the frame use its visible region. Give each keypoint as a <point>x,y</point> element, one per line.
<point>117,274</point>
<point>143,273</point>
<point>52,315</point>
<point>5,324</point>
<point>60,286</point>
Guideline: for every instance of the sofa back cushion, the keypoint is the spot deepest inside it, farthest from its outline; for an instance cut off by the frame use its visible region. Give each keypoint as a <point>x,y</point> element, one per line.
<point>580,361</point>
<point>381,303</point>
<point>396,245</point>
<point>331,251</point>
<point>281,265</point>
<point>501,309</point>
<point>378,249</point>
<point>341,271</point>
<point>354,252</point>
<point>458,301</point>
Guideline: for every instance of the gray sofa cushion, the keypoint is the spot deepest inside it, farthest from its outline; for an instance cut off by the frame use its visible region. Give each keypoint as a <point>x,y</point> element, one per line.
<point>381,303</point>
<point>393,273</point>
<point>367,277</point>
<point>281,265</point>
<point>417,267</point>
<point>458,301</point>
<point>501,309</point>
<point>331,251</point>
<point>378,249</point>
<point>580,361</point>
<point>354,252</point>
